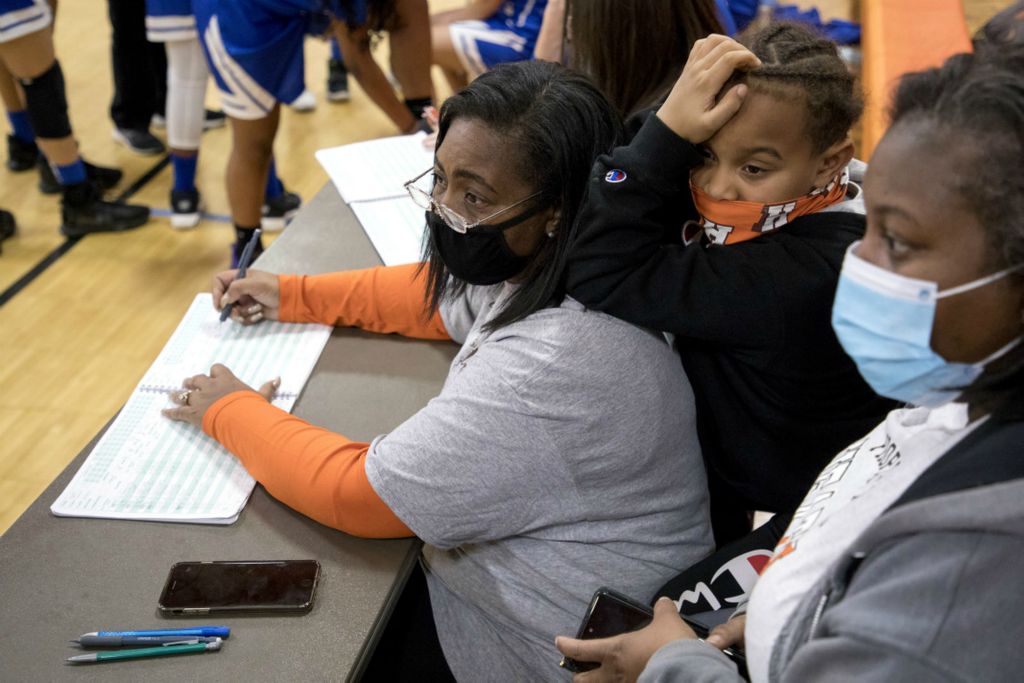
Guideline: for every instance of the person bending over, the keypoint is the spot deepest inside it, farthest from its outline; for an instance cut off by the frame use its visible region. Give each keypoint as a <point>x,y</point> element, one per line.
<point>254,50</point>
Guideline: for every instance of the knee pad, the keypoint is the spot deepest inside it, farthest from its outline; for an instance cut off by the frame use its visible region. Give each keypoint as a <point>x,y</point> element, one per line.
<point>46,103</point>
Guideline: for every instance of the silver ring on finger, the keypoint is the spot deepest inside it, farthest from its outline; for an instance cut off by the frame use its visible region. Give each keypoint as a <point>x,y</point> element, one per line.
<point>184,396</point>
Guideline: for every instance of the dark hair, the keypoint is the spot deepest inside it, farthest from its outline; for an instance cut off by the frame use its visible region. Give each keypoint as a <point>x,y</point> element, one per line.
<point>635,49</point>
<point>1004,31</point>
<point>980,100</point>
<point>794,58</point>
<point>559,123</point>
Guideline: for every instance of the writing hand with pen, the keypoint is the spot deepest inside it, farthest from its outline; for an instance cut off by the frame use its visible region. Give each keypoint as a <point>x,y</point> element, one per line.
<point>252,298</point>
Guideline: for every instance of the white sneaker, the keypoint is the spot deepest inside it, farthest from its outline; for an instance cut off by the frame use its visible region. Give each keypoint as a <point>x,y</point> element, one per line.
<point>304,102</point>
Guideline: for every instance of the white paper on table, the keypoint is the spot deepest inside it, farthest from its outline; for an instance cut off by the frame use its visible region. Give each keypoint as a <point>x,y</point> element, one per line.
<point>396,228</point>
<point>146,467</point>
<point>376,169</point>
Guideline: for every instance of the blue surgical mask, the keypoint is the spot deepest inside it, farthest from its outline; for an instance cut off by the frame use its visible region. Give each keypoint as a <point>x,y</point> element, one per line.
<point>884,322</point>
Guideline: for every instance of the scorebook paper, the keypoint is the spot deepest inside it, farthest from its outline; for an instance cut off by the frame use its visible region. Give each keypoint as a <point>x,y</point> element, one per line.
<point>376,169</point>
<point>147,467</point>
<point>371,176</point>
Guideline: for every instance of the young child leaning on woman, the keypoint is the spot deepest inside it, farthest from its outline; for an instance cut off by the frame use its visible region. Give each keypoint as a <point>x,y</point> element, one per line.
<point>751,156</point>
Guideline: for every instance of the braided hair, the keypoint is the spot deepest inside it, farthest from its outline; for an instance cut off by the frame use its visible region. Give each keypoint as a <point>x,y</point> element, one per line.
<point>796,61</point>
<point>979,99</point>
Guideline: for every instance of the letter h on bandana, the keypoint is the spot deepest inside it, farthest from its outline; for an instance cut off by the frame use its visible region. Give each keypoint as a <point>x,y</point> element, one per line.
<point>731,222</point>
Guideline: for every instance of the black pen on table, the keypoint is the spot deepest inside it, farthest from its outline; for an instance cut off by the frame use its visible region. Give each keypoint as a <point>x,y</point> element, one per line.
<point>243,264</point>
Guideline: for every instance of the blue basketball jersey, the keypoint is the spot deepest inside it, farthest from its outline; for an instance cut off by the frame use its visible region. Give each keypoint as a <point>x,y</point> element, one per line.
<point>508,35</point>
<point>521,16</point>
<point>254,47</point>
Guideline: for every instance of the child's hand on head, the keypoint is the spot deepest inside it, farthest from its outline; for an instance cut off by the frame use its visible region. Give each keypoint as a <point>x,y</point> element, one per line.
<point>691,110</point>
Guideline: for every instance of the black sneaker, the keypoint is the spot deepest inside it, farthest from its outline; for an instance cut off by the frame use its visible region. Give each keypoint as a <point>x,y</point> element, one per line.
<point>186,209</point>
<point>7,227</point>
<point>279,211</point>
<point>21,155</point>
<point>83,212</point>
<point>102,177</point>
<point>139,141</point>
<point>214,118</point>
<point>337,81</point>
<point>211,119</point>
<point>239,246</point>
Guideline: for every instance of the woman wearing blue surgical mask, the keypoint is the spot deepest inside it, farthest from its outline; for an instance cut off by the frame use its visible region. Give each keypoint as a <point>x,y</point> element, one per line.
<point>561,453</point>
<point>904,561</point>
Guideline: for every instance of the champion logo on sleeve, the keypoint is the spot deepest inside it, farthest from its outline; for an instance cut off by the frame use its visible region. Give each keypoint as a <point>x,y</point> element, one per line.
<point>615,176</point>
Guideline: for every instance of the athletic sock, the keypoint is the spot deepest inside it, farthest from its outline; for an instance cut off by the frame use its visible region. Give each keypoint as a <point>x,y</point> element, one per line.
<point>335,50</point>
<point>184,172</point>
<point>416,105</point>
<point>71,174</point>
<point>21,127</point>
<point>275,188</point>
<point>244,234</point>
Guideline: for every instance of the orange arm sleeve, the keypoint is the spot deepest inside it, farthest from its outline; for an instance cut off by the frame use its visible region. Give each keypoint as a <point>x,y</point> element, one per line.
<point>315,471</point>
<point>386,299</point>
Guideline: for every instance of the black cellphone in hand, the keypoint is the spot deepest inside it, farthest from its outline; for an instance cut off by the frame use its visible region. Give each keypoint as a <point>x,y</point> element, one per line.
<point>256,586</point>
<point>610,614</point>
<point>703,629</point>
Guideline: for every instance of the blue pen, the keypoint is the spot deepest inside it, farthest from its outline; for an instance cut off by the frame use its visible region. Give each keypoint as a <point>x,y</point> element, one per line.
<point>243,265</point>
<point>141,641</point>
<point>220,631</point>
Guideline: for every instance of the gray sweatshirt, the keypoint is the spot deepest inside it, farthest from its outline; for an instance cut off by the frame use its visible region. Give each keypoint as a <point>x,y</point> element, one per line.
<point>931,591</point>
<point>560,456</point>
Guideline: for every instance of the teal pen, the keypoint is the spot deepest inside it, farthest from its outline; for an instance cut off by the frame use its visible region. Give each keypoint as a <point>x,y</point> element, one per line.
<point>145,652</point>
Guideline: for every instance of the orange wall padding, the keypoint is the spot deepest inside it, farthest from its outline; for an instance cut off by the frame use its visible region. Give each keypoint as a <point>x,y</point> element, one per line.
<point>901,36</point>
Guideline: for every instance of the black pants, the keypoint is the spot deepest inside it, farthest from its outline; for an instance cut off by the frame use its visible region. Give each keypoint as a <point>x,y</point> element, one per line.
<point>409,649</point>
<point>140,67</point>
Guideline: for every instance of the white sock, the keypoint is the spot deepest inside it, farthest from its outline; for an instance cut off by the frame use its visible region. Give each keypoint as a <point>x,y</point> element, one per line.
<point>187,74</point>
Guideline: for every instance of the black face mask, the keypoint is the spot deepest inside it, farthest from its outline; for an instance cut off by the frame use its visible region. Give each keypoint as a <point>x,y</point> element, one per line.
<point>480,256</point>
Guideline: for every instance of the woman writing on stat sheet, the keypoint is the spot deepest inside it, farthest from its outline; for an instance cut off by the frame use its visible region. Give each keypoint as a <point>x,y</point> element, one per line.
<point>561,453</point>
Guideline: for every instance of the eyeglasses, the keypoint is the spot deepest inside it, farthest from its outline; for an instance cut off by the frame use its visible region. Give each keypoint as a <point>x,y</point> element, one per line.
<point>425,200</point>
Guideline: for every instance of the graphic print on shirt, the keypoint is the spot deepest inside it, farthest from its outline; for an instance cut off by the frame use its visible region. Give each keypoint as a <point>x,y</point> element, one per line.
<point>825,487</point>
<point>729,585</point>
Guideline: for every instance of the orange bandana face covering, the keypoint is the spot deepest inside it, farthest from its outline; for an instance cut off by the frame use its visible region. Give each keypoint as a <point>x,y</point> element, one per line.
<point>732,222</point>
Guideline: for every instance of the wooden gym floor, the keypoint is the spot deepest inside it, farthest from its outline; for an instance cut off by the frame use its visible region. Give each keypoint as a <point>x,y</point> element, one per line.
<point>74,341</point>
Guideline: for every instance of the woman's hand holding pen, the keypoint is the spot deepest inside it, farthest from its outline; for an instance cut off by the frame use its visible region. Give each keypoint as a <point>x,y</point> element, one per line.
<point>693,109</point>
<point>202,391</point>
<point>255,297</point>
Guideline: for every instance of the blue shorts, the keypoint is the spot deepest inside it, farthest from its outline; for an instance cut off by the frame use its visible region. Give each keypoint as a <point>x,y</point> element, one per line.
<point>254,48</point>
<point>170,20</point>
<point>21,17</point>
<point>509,35</point>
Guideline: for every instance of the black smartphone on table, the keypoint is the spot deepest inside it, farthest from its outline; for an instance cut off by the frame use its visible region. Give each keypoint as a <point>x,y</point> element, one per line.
<point>246,586</point>
<point>611,613</point>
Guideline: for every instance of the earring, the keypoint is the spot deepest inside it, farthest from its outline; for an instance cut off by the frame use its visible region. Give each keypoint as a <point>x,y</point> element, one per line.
<point>551,234</point>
